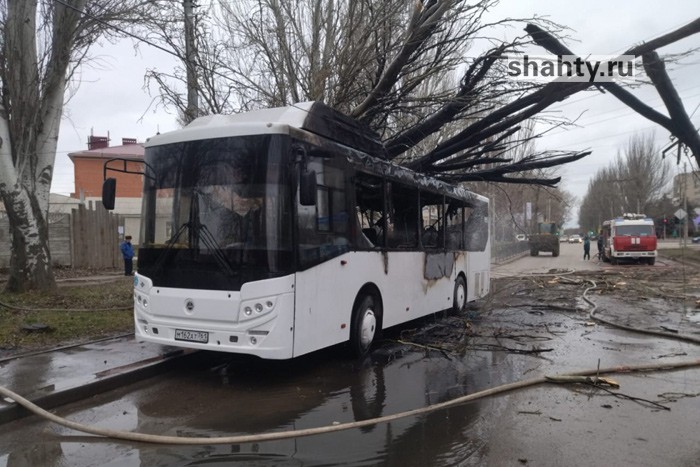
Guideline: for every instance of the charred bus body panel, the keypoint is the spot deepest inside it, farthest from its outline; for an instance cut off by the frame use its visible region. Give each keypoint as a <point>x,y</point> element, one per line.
<point>629,237</point>
<point>283,231</point>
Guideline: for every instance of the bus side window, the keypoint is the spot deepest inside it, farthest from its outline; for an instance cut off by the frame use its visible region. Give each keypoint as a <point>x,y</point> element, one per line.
<point>433,220</point>
<point>476,231</point>
<point>402,228</point>
<point>369,221</point>
<point>323,228</point>
<point>455,220</point>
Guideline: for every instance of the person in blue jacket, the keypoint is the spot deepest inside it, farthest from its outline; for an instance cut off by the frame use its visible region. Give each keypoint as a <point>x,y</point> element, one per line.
<point>128,254</point>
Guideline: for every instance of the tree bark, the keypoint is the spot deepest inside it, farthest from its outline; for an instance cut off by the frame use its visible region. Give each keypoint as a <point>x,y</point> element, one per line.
<point>30,259</point>
<point>29,123</point>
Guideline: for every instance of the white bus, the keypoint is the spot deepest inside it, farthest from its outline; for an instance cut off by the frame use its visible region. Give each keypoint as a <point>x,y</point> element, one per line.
<point>282,231</point>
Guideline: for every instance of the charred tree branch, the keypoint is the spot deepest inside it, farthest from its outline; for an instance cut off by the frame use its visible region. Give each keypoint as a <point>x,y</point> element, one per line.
<point>550,43</point>
<point>476,72</point>
<point>684,130</point>
<point>679,124</point>
<point>497,174</point>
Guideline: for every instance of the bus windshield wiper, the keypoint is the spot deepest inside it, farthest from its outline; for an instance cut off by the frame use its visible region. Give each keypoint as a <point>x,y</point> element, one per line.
<point>200,232</point>
<point>160,262</point>
<point>211,243</point>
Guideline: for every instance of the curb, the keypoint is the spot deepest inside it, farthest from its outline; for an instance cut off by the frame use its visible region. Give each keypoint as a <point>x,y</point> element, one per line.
<point>107,381</point>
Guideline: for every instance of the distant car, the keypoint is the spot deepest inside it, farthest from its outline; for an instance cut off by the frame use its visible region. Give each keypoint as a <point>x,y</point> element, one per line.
<point>564,238</point>
<point>575,238</point>
<point>521,237</point>
<point>696,240</point>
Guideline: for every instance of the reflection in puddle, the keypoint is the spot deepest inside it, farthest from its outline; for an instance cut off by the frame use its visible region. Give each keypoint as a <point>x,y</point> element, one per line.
<point>257,396</point>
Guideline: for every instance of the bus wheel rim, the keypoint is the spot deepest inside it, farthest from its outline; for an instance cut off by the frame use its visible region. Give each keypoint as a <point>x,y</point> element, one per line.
<point>368,325</point>
<point>460,296</point>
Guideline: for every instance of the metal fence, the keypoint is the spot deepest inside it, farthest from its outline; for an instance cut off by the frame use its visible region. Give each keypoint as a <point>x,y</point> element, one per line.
<point>503,251</point>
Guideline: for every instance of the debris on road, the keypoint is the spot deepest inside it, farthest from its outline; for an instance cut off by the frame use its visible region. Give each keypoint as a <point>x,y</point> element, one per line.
<point>595,381</point>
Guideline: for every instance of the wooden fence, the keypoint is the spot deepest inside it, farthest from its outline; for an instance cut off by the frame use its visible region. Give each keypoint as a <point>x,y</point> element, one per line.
<point>88,237</point>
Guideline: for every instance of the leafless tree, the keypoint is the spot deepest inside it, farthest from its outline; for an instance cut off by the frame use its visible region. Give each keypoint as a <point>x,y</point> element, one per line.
<point>43,43</point>
<point>630,183</point>
<point>399,67</point>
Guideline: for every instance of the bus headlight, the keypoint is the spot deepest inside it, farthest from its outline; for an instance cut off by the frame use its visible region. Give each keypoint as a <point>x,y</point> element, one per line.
<point>251,309</point>
<point>141,300</point>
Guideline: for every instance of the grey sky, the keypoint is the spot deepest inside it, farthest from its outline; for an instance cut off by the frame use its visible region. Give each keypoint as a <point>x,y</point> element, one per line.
<point>112,97</point>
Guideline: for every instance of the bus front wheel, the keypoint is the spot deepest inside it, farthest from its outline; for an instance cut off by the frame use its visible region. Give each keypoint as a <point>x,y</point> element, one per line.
<point>366,317</point>
<point>459,300</point>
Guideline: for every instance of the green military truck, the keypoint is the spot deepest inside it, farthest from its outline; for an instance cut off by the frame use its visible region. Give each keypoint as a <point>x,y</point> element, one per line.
<point>545,239</point>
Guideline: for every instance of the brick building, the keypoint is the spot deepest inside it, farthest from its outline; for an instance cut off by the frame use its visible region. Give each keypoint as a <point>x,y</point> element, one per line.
<point>88,168</point>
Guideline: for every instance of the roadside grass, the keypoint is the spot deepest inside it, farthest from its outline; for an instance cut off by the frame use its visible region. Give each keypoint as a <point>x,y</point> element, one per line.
<point>681,254</point>
<point>68,315</point>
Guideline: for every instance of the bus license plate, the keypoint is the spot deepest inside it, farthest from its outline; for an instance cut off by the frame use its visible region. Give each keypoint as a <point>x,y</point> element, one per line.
<point>191,336</point>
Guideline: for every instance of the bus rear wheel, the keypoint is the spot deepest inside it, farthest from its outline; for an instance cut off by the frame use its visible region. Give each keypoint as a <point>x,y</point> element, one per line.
<point>459,300</point>
<point>366,317</point>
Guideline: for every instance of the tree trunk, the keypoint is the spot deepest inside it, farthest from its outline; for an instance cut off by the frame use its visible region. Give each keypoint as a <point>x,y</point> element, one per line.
<point>30,259</point>
<point>30,116</point>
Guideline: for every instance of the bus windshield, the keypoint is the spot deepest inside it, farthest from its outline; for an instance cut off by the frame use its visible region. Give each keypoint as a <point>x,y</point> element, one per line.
<point>216,213</point>
<point>634,230</point>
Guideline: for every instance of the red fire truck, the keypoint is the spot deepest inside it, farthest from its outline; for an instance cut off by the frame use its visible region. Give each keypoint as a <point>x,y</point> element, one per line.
<point>630,237</point>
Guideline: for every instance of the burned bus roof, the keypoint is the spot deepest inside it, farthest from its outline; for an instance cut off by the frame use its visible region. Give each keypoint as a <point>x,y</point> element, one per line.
<point>364,148</point>
<point>391,171</point>
<point>313,117</point>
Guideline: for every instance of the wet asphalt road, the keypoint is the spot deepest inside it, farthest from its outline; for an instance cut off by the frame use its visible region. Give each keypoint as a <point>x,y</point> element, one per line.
<point>548,425</point>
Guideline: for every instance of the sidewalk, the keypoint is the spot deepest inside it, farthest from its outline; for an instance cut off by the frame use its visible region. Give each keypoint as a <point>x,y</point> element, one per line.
<point>50,379</point>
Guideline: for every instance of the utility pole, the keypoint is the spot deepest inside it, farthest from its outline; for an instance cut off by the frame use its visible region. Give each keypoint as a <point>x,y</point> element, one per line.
<point>685,204</point>
<point>192,103</point>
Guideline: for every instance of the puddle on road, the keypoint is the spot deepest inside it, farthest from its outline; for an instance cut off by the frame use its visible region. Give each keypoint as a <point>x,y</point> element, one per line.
<point>230,395</point>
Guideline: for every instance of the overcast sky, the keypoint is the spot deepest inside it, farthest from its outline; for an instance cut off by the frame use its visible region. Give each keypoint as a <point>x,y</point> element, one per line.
<point>112,97</point>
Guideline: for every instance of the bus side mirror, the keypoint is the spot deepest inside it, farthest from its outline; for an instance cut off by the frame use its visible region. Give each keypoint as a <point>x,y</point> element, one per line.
<point>307,188</point>
<point>109,193</point>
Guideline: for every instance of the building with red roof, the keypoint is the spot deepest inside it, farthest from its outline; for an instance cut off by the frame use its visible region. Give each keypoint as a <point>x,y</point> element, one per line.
<point>88,168</point>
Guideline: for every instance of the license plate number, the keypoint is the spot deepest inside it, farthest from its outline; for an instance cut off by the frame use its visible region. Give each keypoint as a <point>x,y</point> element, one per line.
<point>191,336</point>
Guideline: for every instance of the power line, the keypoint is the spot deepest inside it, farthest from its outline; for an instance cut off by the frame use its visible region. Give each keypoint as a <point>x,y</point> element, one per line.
<point>623,114</point>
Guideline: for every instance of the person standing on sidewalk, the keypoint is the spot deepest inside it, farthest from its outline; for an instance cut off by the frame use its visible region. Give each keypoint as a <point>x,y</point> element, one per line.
<point>128,254</point>
<point>586,248</point>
